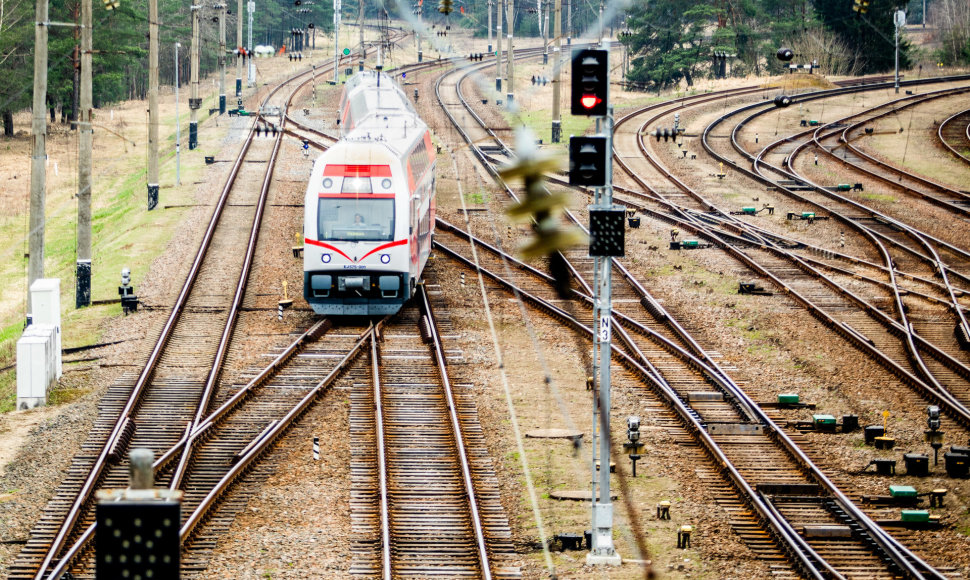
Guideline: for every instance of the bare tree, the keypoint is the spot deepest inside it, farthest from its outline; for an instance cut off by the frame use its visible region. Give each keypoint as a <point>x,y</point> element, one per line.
<point>951,18</point>
<point>832,55</point>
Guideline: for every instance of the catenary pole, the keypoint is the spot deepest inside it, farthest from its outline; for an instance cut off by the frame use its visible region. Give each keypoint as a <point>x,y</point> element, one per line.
<point>82,294</point>
<point>510,54</point>
<point>360,25</point>
<point>153,48</point>
<point>38,160</point>
<point>222,57</point>
<point>557,72</point>
<point>239,55</point>
<point>194,100</point>
<point>499,10</point>
<point>489,10</point>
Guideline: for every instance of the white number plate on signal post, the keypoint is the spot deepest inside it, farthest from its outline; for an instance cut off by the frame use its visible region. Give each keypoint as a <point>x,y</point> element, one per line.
<point>605,330</point>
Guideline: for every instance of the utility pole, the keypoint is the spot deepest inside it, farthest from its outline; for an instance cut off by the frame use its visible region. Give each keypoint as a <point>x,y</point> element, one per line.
<point>569,22</point>
<point>420,29</point>
<point>82,294</point>
<point>489,25</point>
<point>900,21</point>
<point>557,73</point>
<point>360,24</point>
<point>499,10</point>
<point>38,160</point>
<point>510,55</point>
<point>239,54</point>
<point>544,14</point>
<point>249,46</point>
<point>222,58</point>
<point>178,124</point>
<point>194,101</point>
<point>153,104</point>
<point>336,40</point>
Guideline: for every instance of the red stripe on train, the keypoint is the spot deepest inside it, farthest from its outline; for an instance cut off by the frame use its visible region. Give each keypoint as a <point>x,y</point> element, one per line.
<point>336,170</point>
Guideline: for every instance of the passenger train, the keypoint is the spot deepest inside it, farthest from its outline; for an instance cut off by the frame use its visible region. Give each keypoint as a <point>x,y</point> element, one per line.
<point>369,209</point>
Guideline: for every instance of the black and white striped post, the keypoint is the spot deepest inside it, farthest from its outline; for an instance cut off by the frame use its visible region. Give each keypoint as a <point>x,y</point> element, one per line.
<point>316,449</point>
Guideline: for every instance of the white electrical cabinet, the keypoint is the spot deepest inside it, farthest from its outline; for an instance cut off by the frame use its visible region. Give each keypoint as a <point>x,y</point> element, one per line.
<point>45,301</point>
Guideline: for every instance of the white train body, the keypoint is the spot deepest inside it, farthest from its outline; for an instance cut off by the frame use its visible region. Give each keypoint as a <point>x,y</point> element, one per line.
<point>369,208</point>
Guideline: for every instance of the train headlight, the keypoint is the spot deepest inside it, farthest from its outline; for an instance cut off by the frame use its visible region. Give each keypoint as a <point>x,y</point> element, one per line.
<point>386,183</point>
<point>385,258</point>
<point>328,183</point>
<point>325,258</point>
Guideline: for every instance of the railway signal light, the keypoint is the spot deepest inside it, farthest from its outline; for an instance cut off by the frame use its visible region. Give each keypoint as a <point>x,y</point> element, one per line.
<point>590,82</point>
<point>782,101</point>
<point>445,7</point>
<point>588,157</point>
<point>785,54</point>
<point>607,232</point>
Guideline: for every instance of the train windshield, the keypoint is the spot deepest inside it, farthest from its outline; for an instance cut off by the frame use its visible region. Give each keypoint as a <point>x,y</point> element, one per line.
<point>355,219</point>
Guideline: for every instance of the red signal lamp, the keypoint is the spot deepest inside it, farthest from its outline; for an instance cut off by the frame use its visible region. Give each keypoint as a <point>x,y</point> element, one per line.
<point>590,101</point>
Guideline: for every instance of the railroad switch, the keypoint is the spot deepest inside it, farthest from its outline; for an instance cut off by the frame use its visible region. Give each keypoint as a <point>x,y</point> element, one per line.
<point>883,466</point>
<point>612,466</point>
<point>570,541</point>
<point>824,423</point>
<point>683,537</point>
<point>632,220</point>
<point>805,215</point>
<point>753,288</point>
<point>129,302</point>
<point>688,245</point>
<point>957,464</point>
<point>663,510</point>
<point>873,431</point>
<point>899,496</point>
<point>936,497</point>
<point>884,442</point>
<point>917,464</point>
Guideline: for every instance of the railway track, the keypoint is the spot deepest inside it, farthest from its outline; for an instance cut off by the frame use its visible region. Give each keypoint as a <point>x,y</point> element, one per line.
<point>738,415</point>
<point>165,407</point>
<point>954,135</point>
<point>425,500</point>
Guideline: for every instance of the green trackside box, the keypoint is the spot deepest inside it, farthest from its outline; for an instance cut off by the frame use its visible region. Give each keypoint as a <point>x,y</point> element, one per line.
<point>689,244</point>
<point>788,398</point>
<point>808,214</point>
<point>823,419</point>
<point>915,516</point>
<point>843,187</point>
<point>902,491</point>
<point>749,210</point>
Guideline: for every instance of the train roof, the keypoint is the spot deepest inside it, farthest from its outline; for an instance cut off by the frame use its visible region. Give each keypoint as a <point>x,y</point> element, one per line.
<point>397,131</point>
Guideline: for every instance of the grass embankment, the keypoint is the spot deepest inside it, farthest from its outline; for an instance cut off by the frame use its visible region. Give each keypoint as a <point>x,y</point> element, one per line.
<point>124,232</point>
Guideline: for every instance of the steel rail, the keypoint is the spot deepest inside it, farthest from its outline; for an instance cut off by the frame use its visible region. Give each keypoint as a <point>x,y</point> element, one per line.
<point>439,354</point>
<point>797,547</point>
<point>212,421</point>
<point>784,437</point>
<point>269,437</point>
<point>946,143</point>
<point>94,476</point>
<point>381,460</point>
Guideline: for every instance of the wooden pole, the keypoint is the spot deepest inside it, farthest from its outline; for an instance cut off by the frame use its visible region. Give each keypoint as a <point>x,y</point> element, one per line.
<point>194,100</point>
<point>153,47</point>
<point>38,160</point>
<point>82,296</point>
<point>557,72</point>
